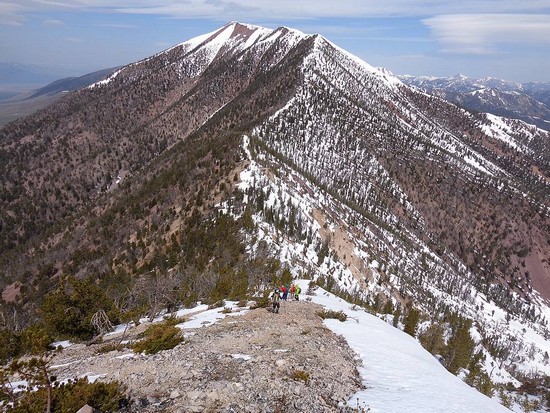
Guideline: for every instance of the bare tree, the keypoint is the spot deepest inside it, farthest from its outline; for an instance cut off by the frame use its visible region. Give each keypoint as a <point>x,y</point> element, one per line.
<point>158,290</point>
<point>100,321</point>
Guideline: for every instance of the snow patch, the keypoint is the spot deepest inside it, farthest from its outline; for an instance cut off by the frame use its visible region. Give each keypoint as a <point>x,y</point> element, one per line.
<point>244,357</point>
<point>62,344</point>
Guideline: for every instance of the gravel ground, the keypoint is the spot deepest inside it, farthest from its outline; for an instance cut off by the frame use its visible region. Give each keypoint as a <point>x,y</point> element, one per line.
<point>255,362</point>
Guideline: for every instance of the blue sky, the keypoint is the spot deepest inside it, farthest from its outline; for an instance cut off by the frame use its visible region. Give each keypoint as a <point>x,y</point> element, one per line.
<point>501,38</point>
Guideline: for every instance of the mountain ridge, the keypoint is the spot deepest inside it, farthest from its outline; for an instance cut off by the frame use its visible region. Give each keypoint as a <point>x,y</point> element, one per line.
<point>250,151</point>
<point>246,359</point>
<point>529,101</point>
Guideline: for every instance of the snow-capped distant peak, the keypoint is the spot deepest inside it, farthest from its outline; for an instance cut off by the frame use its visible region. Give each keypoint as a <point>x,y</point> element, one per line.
<point>230,30</point>
<point>219,36</point>
<point>388,75</point>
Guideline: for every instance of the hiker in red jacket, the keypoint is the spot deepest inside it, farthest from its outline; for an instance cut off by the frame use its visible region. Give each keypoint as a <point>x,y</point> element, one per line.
<point>284,291</point>
<point>292,291</point>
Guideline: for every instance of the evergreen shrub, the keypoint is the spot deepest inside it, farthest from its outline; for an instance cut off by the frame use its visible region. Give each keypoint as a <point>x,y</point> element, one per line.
<point>158,337</point>
<point>70,397</point>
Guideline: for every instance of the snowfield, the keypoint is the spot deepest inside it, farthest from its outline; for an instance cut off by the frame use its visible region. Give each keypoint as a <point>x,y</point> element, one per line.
<point>399,375</point>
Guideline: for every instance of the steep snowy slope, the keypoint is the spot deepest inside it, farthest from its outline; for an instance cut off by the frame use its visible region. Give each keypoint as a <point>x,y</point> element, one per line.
<point>364,137</point>
<point>398,374</point>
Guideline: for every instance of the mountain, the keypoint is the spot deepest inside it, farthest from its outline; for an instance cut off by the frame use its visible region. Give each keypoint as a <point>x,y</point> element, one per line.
<point>72,83</point>
<point>23,74</point>
<point>249,155</point>
<point>16,102</point>
<point>17,81</point>
<point>529,102</point>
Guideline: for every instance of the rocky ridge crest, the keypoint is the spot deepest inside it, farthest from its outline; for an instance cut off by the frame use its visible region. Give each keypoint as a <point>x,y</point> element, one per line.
<point>251,362</point>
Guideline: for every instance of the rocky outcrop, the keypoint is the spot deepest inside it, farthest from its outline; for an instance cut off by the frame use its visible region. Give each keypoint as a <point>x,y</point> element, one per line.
<point>253,362</point>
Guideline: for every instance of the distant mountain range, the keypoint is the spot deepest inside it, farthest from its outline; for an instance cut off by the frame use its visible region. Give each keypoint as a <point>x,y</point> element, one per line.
<point>23,96</point>
<point>69,84</point>
<point>247,155</point>
<point>529,102</point>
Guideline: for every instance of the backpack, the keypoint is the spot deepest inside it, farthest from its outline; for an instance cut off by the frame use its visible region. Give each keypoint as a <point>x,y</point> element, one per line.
<point>298,289</point>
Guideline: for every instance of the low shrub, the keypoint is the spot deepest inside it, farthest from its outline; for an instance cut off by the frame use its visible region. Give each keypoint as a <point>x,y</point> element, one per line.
<point>158,337</point>
<point>217,304</point>
<point>70,397</point>
<point>106,348</point>
<point>262,302</point>
<point>339,315</point>
<point>173,321</point>
<point>300,375</point>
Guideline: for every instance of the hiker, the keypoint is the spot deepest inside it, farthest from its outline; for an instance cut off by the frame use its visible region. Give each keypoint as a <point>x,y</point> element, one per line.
<point>285,292</point>
<point>275,300</point>
<point>292,291</point>
<point>297,294</point>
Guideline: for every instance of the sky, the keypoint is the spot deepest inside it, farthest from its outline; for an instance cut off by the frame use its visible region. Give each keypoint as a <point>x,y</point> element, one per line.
<point>509,39</point>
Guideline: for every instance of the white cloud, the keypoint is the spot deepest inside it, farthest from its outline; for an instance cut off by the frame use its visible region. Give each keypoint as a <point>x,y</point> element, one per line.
<point>482,33</point>
<point>289,9</point>
<point>311,9</point>
<point>10,14</point>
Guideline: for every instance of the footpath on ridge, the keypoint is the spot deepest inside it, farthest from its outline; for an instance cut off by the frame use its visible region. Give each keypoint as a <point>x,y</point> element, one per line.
<point>254,362</point>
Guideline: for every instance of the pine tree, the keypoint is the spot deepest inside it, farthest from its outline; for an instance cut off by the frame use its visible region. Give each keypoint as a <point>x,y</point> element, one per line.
<point>68,310</point>
<point>396,316</point>
<point>460,346</point>
<point>432,339</point>
<point>411,321</point>
<point>36,372</point>
<point>388,307</point>
<point>477,378</point>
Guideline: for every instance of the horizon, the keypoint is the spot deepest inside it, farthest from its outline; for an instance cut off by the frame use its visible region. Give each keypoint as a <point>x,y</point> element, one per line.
<point>497,38</point>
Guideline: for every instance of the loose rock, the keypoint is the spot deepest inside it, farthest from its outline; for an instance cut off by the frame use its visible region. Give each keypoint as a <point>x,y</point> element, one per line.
<point>253,362</point>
